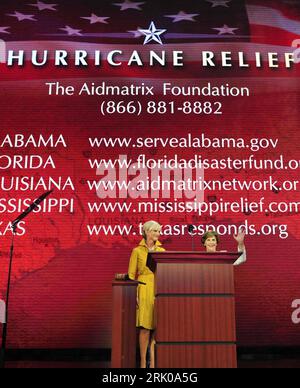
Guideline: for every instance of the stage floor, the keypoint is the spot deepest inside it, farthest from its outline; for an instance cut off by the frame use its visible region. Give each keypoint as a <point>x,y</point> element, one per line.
<point>268,364</point>
<point>270,357</point>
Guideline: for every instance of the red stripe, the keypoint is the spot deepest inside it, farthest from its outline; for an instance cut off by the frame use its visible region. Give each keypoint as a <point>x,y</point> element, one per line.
<point>288,10</point>
<point>272,35</point>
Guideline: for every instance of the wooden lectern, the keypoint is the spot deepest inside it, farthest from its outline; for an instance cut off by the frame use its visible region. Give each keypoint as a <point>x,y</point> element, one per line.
<point>124,324</point>
<point>195,309</point>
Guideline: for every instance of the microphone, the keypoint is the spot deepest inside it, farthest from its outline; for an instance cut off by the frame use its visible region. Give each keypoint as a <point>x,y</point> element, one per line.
<point>33,206</point>
<point>191,229</point>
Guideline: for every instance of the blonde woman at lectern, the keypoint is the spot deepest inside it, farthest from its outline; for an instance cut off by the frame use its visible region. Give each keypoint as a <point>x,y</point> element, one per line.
<point>145,293</point>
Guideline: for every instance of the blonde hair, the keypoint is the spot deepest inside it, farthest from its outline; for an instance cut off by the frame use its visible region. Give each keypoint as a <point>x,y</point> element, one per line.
<point>150,225</point>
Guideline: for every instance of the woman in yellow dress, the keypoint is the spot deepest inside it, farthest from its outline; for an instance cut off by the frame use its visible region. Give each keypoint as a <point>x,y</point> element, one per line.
<point>145,293</point>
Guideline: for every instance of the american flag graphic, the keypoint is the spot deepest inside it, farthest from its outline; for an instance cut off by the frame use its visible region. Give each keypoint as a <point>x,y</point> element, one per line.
<point>215,25</point>
<point>120,21</point>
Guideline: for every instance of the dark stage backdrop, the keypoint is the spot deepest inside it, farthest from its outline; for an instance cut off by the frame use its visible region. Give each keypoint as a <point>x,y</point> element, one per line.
<point>66,256</point>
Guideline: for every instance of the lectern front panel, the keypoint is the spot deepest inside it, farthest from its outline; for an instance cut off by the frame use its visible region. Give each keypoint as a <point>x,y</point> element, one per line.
<point>195,319</point>
<point>194,279</point>
<point>124,325</point>
<point>195,309</point>
<point>196,356</point>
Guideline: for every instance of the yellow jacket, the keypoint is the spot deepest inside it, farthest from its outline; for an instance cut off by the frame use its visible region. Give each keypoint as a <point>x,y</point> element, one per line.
<point>145,292</point>
<point>138,260</point>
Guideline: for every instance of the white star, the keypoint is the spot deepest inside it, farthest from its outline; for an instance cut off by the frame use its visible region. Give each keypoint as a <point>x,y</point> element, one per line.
<point>225,30</point>
<point>96,19</point>
<point>21,16</point>
<point>152,34</point>
<point>136,33</point>
<point>216,3</point>
<point>41,6</point>
<point>129,5</point>
<point>71,31</point>
<point>182,16</point>
<point>3,30</point>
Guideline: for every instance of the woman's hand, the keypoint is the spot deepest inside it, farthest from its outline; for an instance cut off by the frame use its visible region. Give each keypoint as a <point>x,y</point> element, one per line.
<point>240,237</point>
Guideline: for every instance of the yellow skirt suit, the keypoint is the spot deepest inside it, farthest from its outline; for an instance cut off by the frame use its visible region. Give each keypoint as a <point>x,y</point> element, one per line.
<point>145,293</point>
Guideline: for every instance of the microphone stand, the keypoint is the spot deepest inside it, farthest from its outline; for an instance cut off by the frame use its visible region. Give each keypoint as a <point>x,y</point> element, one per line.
<point>4,329</point>
<point>191,233</point>
<point>14,226</point>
